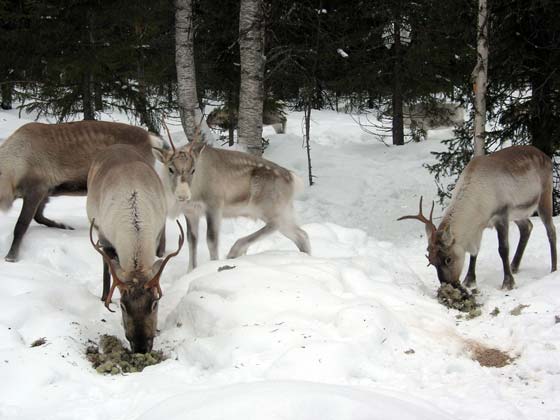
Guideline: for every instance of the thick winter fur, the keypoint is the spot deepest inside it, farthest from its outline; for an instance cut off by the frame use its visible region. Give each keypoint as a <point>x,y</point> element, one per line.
<point>224,183</point>
<point>126,202</point>
<point>42,160</point>
<point>493,190</point>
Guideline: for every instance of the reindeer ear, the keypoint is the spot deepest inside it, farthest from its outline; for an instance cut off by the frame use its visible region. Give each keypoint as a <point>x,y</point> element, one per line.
<point>197,148</point>
<point>156,266</point>
<point>161,154</point>
<point>447,236</point>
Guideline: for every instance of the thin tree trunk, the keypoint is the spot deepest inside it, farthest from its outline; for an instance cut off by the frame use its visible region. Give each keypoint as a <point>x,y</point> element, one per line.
<point>251,95</point>
<point>230,104</point>
<point>6,102</point>
<point>88,104</point>
<point>187,98</point>
<point>307,117</point>
<point>398,125</point>
<point>480,74</point>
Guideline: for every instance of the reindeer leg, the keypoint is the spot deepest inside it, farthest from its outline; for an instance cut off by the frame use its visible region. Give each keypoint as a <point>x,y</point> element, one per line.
<point>470,278</point>
<point>503,248</point>
<point>31,202</point>
<point>213,221</point>
<point>192,239</point>
<point>161,244</point>
<point>545,213</point>
<point>297,235</point>
<point>241,245</point>
<point>41,219</point>
<point>525,228</point>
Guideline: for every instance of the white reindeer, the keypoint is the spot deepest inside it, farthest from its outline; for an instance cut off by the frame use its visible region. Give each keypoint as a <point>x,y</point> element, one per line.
<point>224,183</point>
<point>493,190</point>
<point>126,202</point>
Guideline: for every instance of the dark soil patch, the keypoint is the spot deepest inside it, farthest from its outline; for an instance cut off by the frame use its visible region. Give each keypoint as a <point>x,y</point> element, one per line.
<point>489,357</point>
<point>111,357</point>
<point>457,297</point>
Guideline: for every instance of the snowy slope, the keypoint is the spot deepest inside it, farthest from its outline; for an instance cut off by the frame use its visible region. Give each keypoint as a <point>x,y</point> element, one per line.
<point>351,332</point>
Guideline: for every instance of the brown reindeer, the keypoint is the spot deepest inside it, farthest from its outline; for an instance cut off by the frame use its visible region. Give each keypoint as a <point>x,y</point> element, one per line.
<point>221,118</point>
<point>42,160</point>
<point>224,183</point>
<point>493,190</point>
<point>126,202</point>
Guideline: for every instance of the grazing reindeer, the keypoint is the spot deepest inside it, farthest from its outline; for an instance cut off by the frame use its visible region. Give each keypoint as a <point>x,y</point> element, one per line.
<point>126,202</point>
<point>225,183</point>
<point>493,190</point>
<point>42,160</point>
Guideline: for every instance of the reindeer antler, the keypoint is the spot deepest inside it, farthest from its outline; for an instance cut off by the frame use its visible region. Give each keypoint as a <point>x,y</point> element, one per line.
<point>154,282</point>
<point>168,134</point>
<point>116,281</point>
<point>420,216</point>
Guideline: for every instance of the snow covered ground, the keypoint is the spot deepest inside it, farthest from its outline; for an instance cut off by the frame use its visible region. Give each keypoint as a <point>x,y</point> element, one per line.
<point>352,332</point>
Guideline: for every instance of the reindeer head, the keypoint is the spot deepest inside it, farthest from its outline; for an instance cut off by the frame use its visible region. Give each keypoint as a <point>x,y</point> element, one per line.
<point>443,253</point>
<point>180,164</point>
<point>140,294</point>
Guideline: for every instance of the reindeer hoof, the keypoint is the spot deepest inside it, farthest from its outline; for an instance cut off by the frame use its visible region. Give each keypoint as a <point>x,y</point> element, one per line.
<point>508,283</point>
<point>10,258</point>
<point>469,282</point>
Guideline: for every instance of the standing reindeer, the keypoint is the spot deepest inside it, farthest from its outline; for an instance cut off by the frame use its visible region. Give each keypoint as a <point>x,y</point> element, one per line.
<point>42,160</point>
<point>225,183</point>
<point>126,202</point>
<point>493,190</point>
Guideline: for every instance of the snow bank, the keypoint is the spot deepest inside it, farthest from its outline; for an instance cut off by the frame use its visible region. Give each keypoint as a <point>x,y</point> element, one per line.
<point>352,332</point>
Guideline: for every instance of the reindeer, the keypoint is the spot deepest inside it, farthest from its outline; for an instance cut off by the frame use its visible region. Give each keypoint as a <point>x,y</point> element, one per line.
<point>224,183</point>
<point>222,118</point>
<point>493,190</point>
<point>126,202</point>
<point>42,160</point>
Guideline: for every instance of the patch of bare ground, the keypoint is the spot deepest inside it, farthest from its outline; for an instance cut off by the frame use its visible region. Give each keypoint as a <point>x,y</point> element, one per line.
<point>487,356</point>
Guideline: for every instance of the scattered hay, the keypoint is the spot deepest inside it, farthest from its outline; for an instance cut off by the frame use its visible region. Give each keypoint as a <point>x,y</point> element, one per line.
<point>114,358</point>
<point>458,298</point>
<point>226,267</point>
<point>495,312</point>
<point>39,342</point>
<point>489,357</point>
<point>517,310</point>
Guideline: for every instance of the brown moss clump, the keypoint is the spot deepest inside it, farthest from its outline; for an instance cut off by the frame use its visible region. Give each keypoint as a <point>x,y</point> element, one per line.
<point>111,357</point>
<point>517,310</point>
<point>457,297</point>
<point>489,357</point>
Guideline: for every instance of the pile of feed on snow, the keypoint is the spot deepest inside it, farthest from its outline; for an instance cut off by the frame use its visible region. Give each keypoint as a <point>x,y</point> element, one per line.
<point>457,297</point>
<point>111,357</point>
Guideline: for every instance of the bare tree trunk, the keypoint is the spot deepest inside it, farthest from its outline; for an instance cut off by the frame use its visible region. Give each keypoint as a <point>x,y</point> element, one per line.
<point>398,125</point>
<point>191,115</point>
<point>6,102</point>
<point>480,75</point>
<point>88,105</point>
<point>251,95</point>
<point>307,116</point>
